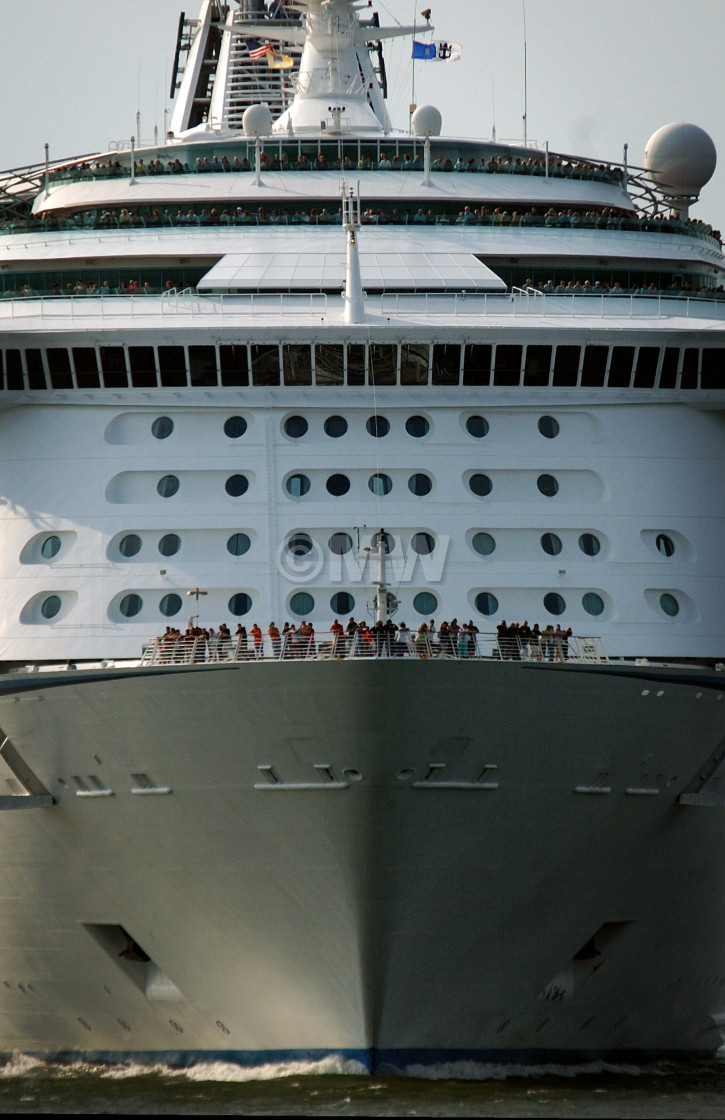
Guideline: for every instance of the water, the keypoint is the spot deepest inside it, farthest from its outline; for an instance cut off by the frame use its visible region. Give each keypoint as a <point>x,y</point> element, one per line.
<point>337,1088</point>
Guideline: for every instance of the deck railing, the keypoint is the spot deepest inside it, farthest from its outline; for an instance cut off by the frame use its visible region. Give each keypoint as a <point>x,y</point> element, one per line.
<point>295,647</point>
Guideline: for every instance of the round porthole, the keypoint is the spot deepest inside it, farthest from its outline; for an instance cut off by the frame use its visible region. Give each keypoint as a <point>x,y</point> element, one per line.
<point>417,426</point>
<point>380,484</point>
<point>130,545</point>
<point>480,484</point>
<point>554,603</point>
<point>337,485</point>
<point>302,604</point>
<point>551,544</point>
<point>169,544</point>
<point>162,427</point>
<point>236,485</point>
<point>235,427</point>
<point>340,543</point>
<point>389,542</point>
<point>477,426</point>
<point>298,485</point>
<point>335,426</point>
<point>238,544</point>
<point>486,603</point>
<point>131,605</point>
<point>423,544</point>
<point>50,547</point>
<point>299,545</point>
<point>593,603</point>
<point>589,544</point>
<point>51,606</point>
<point>420,485</point>
<point>296,426</point>
<point>170,605</point>
<point>240,604</point>
<point>548,426</point>
<point>547,484</point>
<point>483,543</point>
<point>168,485</point>
<point>425,603</point>
<point>378,426</point>
<point>342,603</point>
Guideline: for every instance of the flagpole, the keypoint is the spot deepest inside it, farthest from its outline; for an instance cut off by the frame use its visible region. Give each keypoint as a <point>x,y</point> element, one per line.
<point>411,107</point>
<point>526,91</point>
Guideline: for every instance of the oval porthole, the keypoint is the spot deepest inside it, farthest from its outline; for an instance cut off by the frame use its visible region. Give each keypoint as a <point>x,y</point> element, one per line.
<point>50,547</point>
<point>236,485</point>
<point>417,426</point>
<point>425,603</point>
<point>380,484</point>
<point>551,544</point>
<point>589,544</point>
<point>423,544</point>
<point>420,485</point>
<point>342,603</point>
<point>664,544</point>
<point>130,545</point>
<point>302,604</point>
<point>486,603</point>
<point>162,427</point>
<point>547,484</point>
<point>477,426</point>
<point>240,604</point>
<point>483,543</point>
<point>51,606</point>
<point>170,605</point>
<point>669,604</point>
<point>593,603</point>
<point>238,544</point>
<point>548,426</point>
<point>130,605</point>
<point>168,486</point>
<point>554,603</point>
<point>480,484</point>
<point>169,544</point>
<point>340,543</point>
<point>298,485</point>
<point>296,426</point>
<point>299,545</point>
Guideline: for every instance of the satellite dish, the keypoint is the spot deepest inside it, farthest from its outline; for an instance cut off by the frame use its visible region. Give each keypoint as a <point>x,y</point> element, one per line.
<point>257,121</point>
<point>680,158</point>
<point>427,121</point>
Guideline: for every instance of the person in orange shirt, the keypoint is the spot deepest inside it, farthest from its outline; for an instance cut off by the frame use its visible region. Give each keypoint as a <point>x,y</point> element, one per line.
<point>276,640</point>
<point>257,639</point>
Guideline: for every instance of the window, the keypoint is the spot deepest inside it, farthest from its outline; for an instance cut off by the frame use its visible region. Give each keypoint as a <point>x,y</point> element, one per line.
<point>130,545</point>
<point>388,539</point>
<point>425,603</point>
<point>131,605</point>
<point>477,426</point>
<point>169,544</point>
<point>337,485</point>
<point>300,544</point>
<point>298,485</point>
<point>417,426</point>
<point>589,544</point>
<point>380,484</point>
<point>13,370</point>
<point>670,363</point>
<point>51,606</point>
<point>168,486</point>
<point>620,367</point>
<point>302,604</point>
<point>50,547</point>
<point>378,426</point>
<point>547,485</point>
<point>143,367</point>
<point>235,427</point>
<point>36,369</point>
<point>595,365</point>
<point>554,603</point>
<point>548,426</point>
<point>690,362</point>
<point>593,603</point>
<point>480,484</point>
<point>170,605</point>
<point>423,544</point>
<point>646,371</point>
<point>538,363</point>
<point>329,365</point>
<point>476,365</point>
<point>356,365</point>
<point>113,364</point>
<point>238,544</point>
<point>446,364</point>
<point>162,427</point>
<point>414,365</point>
<point>340,543</point>
<point>59,368</point>
<point>342,603</point>
<point>234,365</point>
<point>172,366</point>
<point>86,367</point>
<point>669,605</point>
<point>566,366</point>
<point>240,604</point>
<point>664,544</point>
<point>335,426</point>
<point>265,365</point>
<point>202,365</point>
<point>551,544</point>
<point>508,365</point>
<point>420,485</point>
<point>297,365</point>
<point>483,543</point>
<point>383,364</point>
<point>486,603</point>
<point>295,426</point>
<point>236,485</point>
<point>713,368</point>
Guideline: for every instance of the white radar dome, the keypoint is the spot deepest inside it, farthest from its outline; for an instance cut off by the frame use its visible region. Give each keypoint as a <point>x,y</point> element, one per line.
<point>427,121</point>
<point>680,158</point>
<point>257,121</point>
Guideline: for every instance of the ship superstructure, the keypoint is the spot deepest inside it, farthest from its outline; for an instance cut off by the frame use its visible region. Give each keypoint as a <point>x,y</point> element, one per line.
<point>295,365</point>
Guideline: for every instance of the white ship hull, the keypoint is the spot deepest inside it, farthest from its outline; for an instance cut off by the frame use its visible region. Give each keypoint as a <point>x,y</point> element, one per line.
<point>395,860</point>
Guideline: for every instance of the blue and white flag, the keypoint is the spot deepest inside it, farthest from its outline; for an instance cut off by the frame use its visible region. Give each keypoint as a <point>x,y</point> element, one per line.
<point>439,49</point>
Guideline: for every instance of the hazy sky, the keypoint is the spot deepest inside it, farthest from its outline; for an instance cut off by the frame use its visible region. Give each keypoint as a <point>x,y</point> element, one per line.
<point>600,74</point>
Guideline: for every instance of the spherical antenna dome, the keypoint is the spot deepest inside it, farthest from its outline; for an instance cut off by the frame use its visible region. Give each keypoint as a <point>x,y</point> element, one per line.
<point>680,158</point>
<point>427,121</point>
<point>257,121</point>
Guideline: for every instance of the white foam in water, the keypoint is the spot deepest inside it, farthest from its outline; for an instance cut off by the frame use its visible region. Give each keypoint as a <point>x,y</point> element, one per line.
<point>335,1064</point>
<point>20,1065</point>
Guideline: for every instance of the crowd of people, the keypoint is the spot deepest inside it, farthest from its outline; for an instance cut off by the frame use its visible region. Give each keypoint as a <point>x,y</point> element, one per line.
<point>358,638</point>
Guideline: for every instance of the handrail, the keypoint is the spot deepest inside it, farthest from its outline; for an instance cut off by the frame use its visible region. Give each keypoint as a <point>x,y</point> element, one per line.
<point>369,645</point>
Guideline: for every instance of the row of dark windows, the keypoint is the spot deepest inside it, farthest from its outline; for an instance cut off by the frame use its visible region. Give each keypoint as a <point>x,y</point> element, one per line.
<point>353,364</point>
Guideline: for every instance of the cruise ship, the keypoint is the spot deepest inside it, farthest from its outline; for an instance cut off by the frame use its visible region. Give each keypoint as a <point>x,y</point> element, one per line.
<point>363,619</point>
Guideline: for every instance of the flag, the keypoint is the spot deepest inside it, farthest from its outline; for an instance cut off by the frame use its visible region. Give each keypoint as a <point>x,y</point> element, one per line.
<point>423,50</point>
<point>260,52</point>
<point>277,61</point>
<point>447,52</point>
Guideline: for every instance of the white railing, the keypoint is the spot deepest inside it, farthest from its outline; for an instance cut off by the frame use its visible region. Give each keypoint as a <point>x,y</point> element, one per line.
<point>369,645</point>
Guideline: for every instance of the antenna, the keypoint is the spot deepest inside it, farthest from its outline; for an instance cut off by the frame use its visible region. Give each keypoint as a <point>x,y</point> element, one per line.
<point>526,90</point>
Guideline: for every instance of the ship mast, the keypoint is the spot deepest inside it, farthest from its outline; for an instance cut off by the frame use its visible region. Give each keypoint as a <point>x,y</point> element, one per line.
<point>384,601</point>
